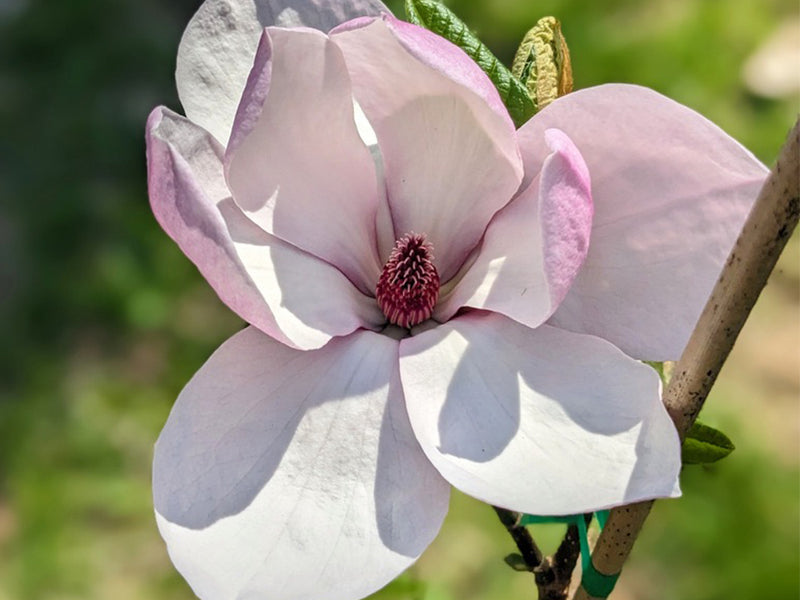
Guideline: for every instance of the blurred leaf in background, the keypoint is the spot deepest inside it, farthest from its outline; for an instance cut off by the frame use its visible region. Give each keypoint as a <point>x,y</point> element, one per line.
<point>103,320</point>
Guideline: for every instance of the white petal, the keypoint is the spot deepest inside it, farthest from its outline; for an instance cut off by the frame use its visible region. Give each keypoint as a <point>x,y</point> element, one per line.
<point>542,421</point>
<point>294,475</point>
<point>671,191</point>
<point>217,49</point>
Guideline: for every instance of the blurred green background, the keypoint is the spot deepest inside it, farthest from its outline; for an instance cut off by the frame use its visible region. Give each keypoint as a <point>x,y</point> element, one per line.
<point>103,320</point>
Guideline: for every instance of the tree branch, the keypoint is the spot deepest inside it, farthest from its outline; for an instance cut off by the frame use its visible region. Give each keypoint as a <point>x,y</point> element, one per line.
<point>522,538</point>
<point>765,233</point>
<point>552,574</point>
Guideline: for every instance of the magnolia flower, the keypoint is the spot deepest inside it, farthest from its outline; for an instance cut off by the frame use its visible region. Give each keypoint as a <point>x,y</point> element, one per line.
<point>433,298</point>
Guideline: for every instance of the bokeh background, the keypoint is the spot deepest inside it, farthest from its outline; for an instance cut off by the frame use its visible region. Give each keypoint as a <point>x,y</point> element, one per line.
<point>102,320</point>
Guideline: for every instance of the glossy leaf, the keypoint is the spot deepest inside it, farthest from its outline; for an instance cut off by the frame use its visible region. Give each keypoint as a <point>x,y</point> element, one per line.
<point>704,445</point>
<point>436,17</point>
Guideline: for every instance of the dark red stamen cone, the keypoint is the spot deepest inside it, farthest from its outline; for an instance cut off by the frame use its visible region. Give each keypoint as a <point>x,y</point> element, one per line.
<point>408,287</point>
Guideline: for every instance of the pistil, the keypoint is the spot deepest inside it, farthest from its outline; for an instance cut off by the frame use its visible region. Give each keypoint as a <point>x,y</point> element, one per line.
<point>408,287</point>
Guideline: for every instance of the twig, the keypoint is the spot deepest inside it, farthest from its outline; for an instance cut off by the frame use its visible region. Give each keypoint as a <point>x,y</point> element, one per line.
<point>771,222</point>
<point>522,538</point>
<point>552,574</point>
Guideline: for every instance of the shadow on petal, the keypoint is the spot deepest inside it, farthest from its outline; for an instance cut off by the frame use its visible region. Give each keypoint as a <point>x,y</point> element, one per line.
<point>311,299</point>
<point>410,495</point>
<point>231,426</point>
<point>322,15</point>
<point>657,468</point>
<point>295,475</point>
<point>542,420</point>
<point>481,412</point>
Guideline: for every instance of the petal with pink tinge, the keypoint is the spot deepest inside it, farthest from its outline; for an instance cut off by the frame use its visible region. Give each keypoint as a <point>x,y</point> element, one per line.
<point>296,163</point>
<point>450,158</point>
<point>534,247</point>
<point>288,294</point>
<point>671,191</point>
<point>294,475</point>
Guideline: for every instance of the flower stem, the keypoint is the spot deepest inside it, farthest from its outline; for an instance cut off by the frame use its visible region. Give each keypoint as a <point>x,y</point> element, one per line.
<point>552,574</point>
<point>522,538</point>
<point>765,233</point>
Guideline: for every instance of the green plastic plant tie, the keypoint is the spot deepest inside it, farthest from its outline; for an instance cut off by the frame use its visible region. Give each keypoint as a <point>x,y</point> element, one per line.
<point>584,539</point>
<point>595,583</point>
<point>533,519</point>
<point>602,518</point>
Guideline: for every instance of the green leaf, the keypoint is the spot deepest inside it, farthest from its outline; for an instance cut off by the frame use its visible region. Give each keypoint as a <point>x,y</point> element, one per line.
<point>664,370</point>
<point>704,445</point>
<point>659,368</point>
<point>516,562</point>
<point>439,19</point>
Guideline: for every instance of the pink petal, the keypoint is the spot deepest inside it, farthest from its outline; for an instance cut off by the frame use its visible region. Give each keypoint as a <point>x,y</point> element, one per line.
<point>449,60</point>
<point>533,247</point>
<point>294,475</point>
<point>450,157</point>
<point>542,421</point>
<point>296,163</point>
<point>218,46</point>
<point>295,298</point>
<point>671,192</point>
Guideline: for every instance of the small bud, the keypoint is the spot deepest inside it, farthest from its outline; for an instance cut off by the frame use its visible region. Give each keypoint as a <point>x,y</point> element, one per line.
<point>542,62</point>
<point>516,562</point>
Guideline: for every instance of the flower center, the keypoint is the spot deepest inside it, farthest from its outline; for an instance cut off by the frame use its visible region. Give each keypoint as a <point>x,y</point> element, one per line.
<point>408,287</point>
